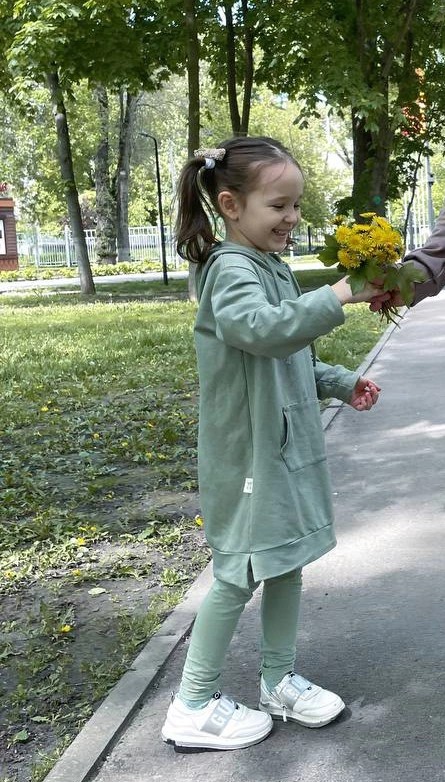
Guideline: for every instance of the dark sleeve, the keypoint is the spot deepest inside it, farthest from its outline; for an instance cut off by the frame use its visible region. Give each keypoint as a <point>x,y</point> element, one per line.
<point>431,260</point>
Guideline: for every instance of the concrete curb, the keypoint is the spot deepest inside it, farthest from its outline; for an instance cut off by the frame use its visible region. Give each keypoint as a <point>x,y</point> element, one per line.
<point>82,758</point>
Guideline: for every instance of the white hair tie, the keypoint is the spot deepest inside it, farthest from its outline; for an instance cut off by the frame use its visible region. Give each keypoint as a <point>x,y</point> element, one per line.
<point>210,156</point>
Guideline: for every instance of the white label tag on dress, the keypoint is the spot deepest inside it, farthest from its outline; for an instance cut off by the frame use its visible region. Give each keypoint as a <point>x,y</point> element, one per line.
<point>248,486</point>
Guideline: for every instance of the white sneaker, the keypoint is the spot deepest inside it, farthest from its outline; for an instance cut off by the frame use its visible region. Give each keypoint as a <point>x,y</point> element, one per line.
<point>222,724</point>
<point>294,698</point>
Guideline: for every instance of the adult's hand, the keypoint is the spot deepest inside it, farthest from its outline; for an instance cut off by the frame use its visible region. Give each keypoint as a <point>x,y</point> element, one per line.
<point>393,298</point>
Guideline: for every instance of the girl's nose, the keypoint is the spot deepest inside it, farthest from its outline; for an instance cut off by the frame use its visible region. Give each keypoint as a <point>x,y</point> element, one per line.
<point>293,216</point>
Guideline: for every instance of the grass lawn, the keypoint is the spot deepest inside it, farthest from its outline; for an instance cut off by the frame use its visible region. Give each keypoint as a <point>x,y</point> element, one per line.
<point>99,512</point>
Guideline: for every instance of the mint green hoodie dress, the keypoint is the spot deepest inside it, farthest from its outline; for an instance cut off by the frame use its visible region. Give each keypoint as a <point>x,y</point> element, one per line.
<point>264,484</point>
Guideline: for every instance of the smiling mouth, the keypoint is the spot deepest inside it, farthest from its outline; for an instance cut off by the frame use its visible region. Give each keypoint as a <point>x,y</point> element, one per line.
<point>280,233</point>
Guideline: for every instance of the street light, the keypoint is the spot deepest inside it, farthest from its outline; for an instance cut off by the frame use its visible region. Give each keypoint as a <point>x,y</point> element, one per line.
<point>429,183</point>
<point>161,218</point>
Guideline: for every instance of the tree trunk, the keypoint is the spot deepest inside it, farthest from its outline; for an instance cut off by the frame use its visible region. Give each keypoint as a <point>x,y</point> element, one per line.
<point>249,38</point>
<point>194,101</point>
<point>231,71</point>
<point>71,194</point>
<point>362,146</point>
<point>105,204</point>
<point>240,124</point>
<point>193,55</point>
<point>121,178</point>
<point>372,152</point>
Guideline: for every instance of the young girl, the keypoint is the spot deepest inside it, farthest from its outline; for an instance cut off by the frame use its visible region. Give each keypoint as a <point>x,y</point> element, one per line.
<point>264,485</point>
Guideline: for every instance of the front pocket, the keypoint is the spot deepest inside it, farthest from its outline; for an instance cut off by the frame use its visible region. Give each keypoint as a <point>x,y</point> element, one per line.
<point>303,440</point>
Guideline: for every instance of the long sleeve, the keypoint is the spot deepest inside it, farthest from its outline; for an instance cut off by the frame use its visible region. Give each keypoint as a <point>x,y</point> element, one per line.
<point>431,260</point>
<point>334,381</point>
<point>245,319</point>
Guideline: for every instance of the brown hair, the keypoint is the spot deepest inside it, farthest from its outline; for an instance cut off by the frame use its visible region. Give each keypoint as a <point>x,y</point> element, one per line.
<point>199,187</point>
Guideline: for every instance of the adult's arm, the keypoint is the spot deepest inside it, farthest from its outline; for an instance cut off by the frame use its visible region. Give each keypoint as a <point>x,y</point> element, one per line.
<point>431,260</point>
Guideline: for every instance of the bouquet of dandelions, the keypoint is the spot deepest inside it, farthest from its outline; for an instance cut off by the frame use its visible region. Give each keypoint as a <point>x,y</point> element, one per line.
<point>367,252</point>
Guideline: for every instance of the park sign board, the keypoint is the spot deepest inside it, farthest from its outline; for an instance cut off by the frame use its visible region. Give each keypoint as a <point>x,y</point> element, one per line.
<point>8,234</point>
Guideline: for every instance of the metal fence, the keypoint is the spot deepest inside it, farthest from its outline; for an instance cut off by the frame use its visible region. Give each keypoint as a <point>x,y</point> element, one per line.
<point>39,249</point>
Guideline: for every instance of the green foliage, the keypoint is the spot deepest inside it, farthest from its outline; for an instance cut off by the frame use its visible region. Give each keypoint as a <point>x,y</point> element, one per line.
<point>28,154</point>
<point>328,255</point>
<point>365,66</point>
<point>86,40</point>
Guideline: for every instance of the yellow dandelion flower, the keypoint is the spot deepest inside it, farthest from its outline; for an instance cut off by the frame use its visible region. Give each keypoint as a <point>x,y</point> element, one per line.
<point>80,541</point>
<point>380,256</point>
<point>338,219</point>
<point>199,520</point>
<point>382,237</point>
<point>361,228</point>
<point>356,242</point>
<point>124,443</point>
<point>77,572</point>
<point>348,260</point>
<point>9,574</point>
<point>342,234</point>
<point>382,223</point>
<point>65,629</point>
<point>96,436</point>
<point>44,409</point>
<point>370,246</point>
<point>392,254</point>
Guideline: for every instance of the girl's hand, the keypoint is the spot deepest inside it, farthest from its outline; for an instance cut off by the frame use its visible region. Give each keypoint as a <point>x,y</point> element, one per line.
<point>342,290</point>
<point>365,394</point>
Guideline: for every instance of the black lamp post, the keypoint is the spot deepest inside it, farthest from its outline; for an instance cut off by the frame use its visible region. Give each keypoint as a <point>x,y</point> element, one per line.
<point>161,218</point>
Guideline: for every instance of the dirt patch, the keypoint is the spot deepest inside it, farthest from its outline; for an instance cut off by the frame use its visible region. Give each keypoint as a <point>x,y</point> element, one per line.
<point>68,637</point>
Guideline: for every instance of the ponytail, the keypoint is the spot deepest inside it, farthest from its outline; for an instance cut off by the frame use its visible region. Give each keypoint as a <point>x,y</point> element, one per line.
<point>195,229</point>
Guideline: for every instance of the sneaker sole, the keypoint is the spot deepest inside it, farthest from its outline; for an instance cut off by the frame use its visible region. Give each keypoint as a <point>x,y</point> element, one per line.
<point>193,744</point>
<point>314,722</point>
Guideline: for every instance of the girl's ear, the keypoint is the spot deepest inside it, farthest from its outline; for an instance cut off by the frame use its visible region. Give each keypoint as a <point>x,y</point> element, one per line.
<point>228,204</point>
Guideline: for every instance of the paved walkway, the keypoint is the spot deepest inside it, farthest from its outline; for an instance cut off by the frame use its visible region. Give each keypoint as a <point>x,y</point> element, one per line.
<point>373,612</point>
<point>74,282</point>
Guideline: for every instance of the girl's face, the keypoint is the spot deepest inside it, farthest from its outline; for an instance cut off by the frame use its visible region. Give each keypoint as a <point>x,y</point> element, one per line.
<point>265,217</point>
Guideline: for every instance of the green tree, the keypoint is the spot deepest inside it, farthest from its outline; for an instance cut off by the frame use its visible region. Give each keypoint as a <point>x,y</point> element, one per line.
<point>365,59</point>
<point>34,53</point>
<point>59,43</point>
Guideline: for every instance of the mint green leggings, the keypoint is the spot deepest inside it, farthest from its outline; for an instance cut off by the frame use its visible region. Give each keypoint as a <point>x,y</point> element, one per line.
<point>215,625</point>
